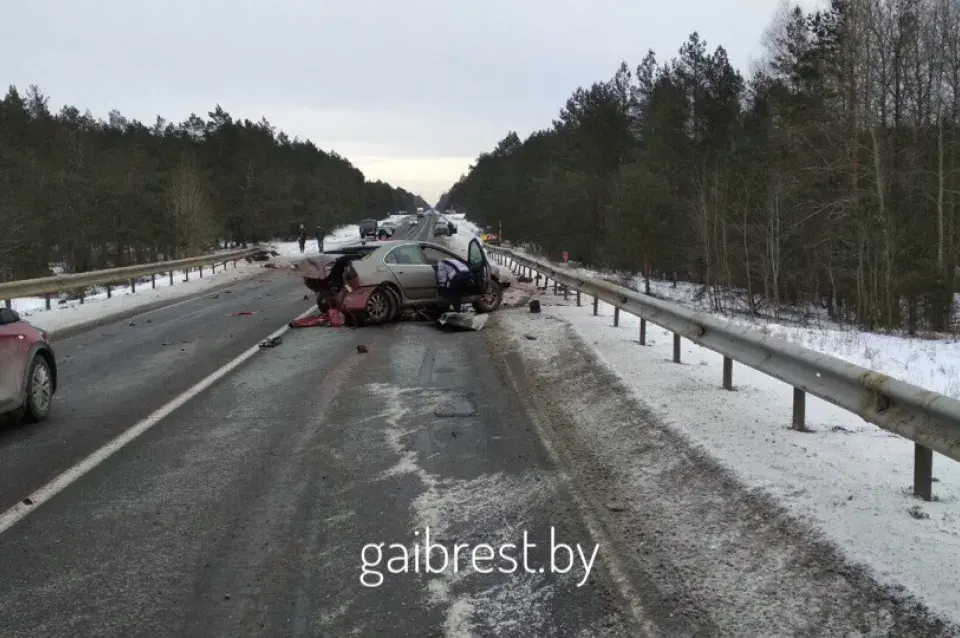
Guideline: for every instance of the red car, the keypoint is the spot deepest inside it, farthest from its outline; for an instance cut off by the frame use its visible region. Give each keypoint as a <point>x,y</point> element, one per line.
<point>28,368</point>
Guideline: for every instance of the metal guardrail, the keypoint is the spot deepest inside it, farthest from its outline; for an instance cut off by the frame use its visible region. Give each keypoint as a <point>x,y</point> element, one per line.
<point>112,277</point>
<point>929,419</point>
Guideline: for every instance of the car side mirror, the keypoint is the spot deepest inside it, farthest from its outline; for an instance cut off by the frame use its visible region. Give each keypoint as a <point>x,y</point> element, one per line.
<point>8,316</point>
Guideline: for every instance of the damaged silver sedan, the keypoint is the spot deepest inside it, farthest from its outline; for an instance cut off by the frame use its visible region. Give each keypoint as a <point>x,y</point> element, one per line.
<point>376,282</point>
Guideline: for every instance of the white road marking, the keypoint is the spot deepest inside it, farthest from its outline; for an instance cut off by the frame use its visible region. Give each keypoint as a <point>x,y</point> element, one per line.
<point>13,515</point>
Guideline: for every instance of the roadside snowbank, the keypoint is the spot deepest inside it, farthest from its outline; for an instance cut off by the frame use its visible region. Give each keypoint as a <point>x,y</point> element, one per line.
<point>848,478</point>
<point>97,305</point>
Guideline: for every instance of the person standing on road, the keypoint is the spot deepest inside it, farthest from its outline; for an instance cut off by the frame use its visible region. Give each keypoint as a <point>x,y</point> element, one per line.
<point>321,233</point>
<point>302,239</point>
<point>453,277</point>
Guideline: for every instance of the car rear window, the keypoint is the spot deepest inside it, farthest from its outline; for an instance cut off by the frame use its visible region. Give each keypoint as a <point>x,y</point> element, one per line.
<point>362,252</point>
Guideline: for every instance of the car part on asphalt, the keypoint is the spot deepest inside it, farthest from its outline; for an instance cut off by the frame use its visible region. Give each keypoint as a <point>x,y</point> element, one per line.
<point>462,321</point>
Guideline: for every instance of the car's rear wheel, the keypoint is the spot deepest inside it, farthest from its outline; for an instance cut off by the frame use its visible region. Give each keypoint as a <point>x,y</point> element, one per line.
<point>39,391</point>
<point>380,307</point>
<point>490,300</point>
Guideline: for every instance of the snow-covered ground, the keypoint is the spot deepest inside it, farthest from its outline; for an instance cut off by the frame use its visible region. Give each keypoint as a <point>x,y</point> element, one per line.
<point>848,478</point>
<point>97,306</point>
<point>932,362</point>
<point>122,301</point>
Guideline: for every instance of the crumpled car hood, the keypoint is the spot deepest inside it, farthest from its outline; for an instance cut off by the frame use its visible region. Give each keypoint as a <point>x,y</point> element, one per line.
<point>316,267</point>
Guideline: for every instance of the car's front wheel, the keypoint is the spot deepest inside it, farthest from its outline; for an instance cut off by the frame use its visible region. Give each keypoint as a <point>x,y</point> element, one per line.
<point>490,300</point>
<point>39,391</point>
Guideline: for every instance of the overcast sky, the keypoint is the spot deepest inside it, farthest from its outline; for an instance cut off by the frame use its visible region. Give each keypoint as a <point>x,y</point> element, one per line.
<point>411,91</point>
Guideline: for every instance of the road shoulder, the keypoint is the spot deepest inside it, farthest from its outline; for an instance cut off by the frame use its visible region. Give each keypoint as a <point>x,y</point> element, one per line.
<point>697,548</point>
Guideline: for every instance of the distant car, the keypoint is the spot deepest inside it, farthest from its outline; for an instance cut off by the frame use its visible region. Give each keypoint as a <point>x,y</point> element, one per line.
<point>386,230</point>
<point>368,228</point>
<point>28,369</point>
<point>376,281</point>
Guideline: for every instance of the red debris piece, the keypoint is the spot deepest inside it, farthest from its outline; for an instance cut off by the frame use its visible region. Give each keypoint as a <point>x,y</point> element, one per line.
<point>332,317</point>
<point>335,318</point>
<point>309,322</point>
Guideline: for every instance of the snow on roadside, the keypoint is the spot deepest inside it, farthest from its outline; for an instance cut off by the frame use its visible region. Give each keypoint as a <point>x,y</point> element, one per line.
<point>933,364</point>
<point>98,305</point>
<point>848,478</point>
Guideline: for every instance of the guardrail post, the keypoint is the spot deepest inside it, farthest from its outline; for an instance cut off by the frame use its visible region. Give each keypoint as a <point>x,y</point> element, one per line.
<point>171,277</point>
<point>596,306</point>
<point>566,292</point>
<point>109,291</point>
<point>200,268</point>
<point>643,331</point>
<point>82,295</point>
<point>153,281</point>
<point>676,348</point>
<point>133,285</point>
<point>799,410</point>
<point>555,284</point>
<point>616,317</point>
<point>213,267</point>
<point>186,274</point>
<point>727,373</point>
<point>578,299</point>
<point>922,472</point>
<point>46,300</point>
<point>235,263</point>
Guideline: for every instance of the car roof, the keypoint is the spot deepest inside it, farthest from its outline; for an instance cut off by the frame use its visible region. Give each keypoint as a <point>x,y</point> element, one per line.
<point>387,244</point>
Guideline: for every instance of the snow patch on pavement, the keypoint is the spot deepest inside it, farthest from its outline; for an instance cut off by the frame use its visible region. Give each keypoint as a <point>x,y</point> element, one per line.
<point>492,509</point>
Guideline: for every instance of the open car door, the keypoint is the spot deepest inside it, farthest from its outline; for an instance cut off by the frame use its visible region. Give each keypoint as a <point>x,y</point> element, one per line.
<point>479,266</point>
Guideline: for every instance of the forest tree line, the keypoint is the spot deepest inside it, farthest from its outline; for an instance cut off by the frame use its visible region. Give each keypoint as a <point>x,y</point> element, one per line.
<point>86,193</point>
<point>829,176</point>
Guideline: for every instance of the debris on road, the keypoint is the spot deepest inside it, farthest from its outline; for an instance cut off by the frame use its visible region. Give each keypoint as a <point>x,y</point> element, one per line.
<point>271,343</point>
<point>242,313</point>
<point>362,349</point>
<point>535,306</point>
<point>462,321</point>
<point>332,317</point>
<point>530,337</point>
<point>216,296</point>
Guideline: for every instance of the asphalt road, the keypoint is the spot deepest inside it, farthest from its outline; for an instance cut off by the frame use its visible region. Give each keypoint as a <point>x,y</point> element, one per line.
<point>246,511</point>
